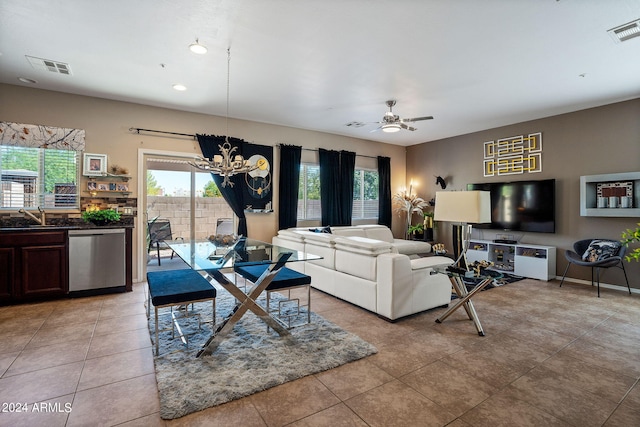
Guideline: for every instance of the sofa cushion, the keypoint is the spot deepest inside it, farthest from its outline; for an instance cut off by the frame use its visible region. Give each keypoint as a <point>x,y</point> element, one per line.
<point>349,231</point>
<point>291,235</point>
<point>362,245</point>
<point>318,239</point>
<point>326,252</point>
<point>356,264</point>
<point>378,232</point>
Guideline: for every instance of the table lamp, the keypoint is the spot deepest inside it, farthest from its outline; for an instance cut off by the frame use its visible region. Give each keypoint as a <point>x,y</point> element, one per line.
<point>464,208</point>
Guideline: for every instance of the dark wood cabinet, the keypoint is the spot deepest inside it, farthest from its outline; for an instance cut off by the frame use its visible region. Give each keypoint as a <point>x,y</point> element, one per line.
<point>33,265</point>
<point>7,258</point>
<point>44,271</point>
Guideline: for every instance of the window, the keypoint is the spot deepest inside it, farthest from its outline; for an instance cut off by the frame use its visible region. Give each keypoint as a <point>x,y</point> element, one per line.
<point>309,192</point>
<point>365,193</point>
<point>33,177</point>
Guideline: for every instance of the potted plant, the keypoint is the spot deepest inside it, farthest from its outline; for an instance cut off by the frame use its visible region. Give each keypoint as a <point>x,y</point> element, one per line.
<point>417,231</point>
<point>630,236</point>
<point>100,217</point>
<point>409,204</point>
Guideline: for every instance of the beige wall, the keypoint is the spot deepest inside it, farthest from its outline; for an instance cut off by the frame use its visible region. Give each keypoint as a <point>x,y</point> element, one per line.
<point>107,126</point>
<point>589,142</point>
<point>178,211</point>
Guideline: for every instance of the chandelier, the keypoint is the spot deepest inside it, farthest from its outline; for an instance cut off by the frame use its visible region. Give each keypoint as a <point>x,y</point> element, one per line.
<point>226,164</point>
<point>223,165</point>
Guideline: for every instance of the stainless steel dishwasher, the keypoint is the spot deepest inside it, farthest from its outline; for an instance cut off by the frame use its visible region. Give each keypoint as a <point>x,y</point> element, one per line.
<point>96,259</point>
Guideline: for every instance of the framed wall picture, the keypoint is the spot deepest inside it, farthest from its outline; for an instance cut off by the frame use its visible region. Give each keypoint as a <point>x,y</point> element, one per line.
<point>94,164</point>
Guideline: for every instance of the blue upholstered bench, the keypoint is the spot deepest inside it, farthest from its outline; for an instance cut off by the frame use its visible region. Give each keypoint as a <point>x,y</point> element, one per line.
<point>285,280</point>
<point>178,287</point>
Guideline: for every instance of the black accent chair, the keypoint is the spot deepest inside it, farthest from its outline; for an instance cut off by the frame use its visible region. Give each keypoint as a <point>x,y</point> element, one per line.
<point>599,259</point>
<point>159,232</point>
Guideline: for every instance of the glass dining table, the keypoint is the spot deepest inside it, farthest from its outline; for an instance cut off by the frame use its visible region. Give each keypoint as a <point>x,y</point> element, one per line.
<point>214,261</point>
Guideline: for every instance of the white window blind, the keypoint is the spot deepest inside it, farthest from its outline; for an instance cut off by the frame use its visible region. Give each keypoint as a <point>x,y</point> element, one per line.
<point>33,177</point>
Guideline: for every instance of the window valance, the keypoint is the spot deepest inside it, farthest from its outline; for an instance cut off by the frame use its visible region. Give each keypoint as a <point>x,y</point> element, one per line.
<point>41,136</point>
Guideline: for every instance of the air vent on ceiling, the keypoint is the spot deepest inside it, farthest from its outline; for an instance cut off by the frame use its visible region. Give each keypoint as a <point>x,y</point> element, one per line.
<point>49,65</point>
<point>355,124</point>
<point>626,31</point>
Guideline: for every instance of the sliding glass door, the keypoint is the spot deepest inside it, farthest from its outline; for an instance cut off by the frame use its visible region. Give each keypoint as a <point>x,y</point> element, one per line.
<point>181,202</point>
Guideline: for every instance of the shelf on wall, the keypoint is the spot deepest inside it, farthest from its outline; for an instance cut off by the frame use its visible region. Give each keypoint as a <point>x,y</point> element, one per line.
<point>589,195</point>
<point>107,191</point>
<point>109,175</point>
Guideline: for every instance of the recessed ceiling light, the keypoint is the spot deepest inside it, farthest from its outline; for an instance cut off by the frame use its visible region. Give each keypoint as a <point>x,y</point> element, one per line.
<point>179,87</point>
<point>198,48</point>
<point>26,80</point>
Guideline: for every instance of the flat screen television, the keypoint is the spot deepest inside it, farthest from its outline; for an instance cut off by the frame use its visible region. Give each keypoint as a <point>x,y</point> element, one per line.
<point>521,205</point>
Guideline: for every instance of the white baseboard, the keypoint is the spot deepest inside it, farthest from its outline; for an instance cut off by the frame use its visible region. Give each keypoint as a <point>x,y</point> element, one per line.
<point>602,285</point>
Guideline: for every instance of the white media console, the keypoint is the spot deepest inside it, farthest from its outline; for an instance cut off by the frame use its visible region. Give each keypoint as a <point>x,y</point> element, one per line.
<point>520,259</point>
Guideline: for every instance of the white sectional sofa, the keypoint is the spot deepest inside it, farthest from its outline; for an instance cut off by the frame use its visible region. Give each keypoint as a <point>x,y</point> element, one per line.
<point>366,266</point>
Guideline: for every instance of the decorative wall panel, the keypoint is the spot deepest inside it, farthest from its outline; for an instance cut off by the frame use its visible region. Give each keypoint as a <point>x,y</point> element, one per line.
<point>40,136</point>
<point>513,155</point>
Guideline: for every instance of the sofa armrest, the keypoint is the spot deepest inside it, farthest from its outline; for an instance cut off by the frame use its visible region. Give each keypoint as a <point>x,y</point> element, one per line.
<point>411,247</point>
<point>430,261</point>
<point>405,286</point>
<point>394,288</point>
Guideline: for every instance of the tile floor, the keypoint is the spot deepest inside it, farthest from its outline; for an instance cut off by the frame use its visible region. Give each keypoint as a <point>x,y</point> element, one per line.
<point>552,357</point>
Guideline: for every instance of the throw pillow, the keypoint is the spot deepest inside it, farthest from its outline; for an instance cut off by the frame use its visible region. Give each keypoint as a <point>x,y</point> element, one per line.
<point>326,229</point>
<point>601,249</point>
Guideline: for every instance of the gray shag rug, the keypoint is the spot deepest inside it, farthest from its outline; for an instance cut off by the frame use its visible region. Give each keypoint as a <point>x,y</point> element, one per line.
<point>248,360</point>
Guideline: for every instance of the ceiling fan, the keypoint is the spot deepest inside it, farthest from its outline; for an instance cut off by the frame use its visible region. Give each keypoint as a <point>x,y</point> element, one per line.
<point>393,123</point>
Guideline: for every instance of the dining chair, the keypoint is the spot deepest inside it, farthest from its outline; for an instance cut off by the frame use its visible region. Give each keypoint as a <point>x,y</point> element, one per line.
<point>159,232</point>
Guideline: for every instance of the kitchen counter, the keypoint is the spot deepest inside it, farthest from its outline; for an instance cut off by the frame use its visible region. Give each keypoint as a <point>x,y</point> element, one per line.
<point>14,224</point>
<point>54,227</point>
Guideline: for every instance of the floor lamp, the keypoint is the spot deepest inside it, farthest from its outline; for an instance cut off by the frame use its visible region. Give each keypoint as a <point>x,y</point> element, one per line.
<point>463,208</point>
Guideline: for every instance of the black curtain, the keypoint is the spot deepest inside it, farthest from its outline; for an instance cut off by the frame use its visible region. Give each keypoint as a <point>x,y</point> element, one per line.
<point>232,194</point>
<point>329,186</point>
<point>288,186</point>
<point>347,169</point>
<point>384,191</point>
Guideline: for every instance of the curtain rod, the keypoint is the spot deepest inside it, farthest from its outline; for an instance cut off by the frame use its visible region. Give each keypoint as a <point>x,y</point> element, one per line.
<point>316,150</point>
<point>138,130</point>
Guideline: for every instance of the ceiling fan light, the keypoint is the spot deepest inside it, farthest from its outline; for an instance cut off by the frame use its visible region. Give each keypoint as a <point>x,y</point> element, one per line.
<point>198,48</point>
<point>390,128</point>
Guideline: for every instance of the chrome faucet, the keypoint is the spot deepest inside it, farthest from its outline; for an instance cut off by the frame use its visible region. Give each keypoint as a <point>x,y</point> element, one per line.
<point>42,220</point>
